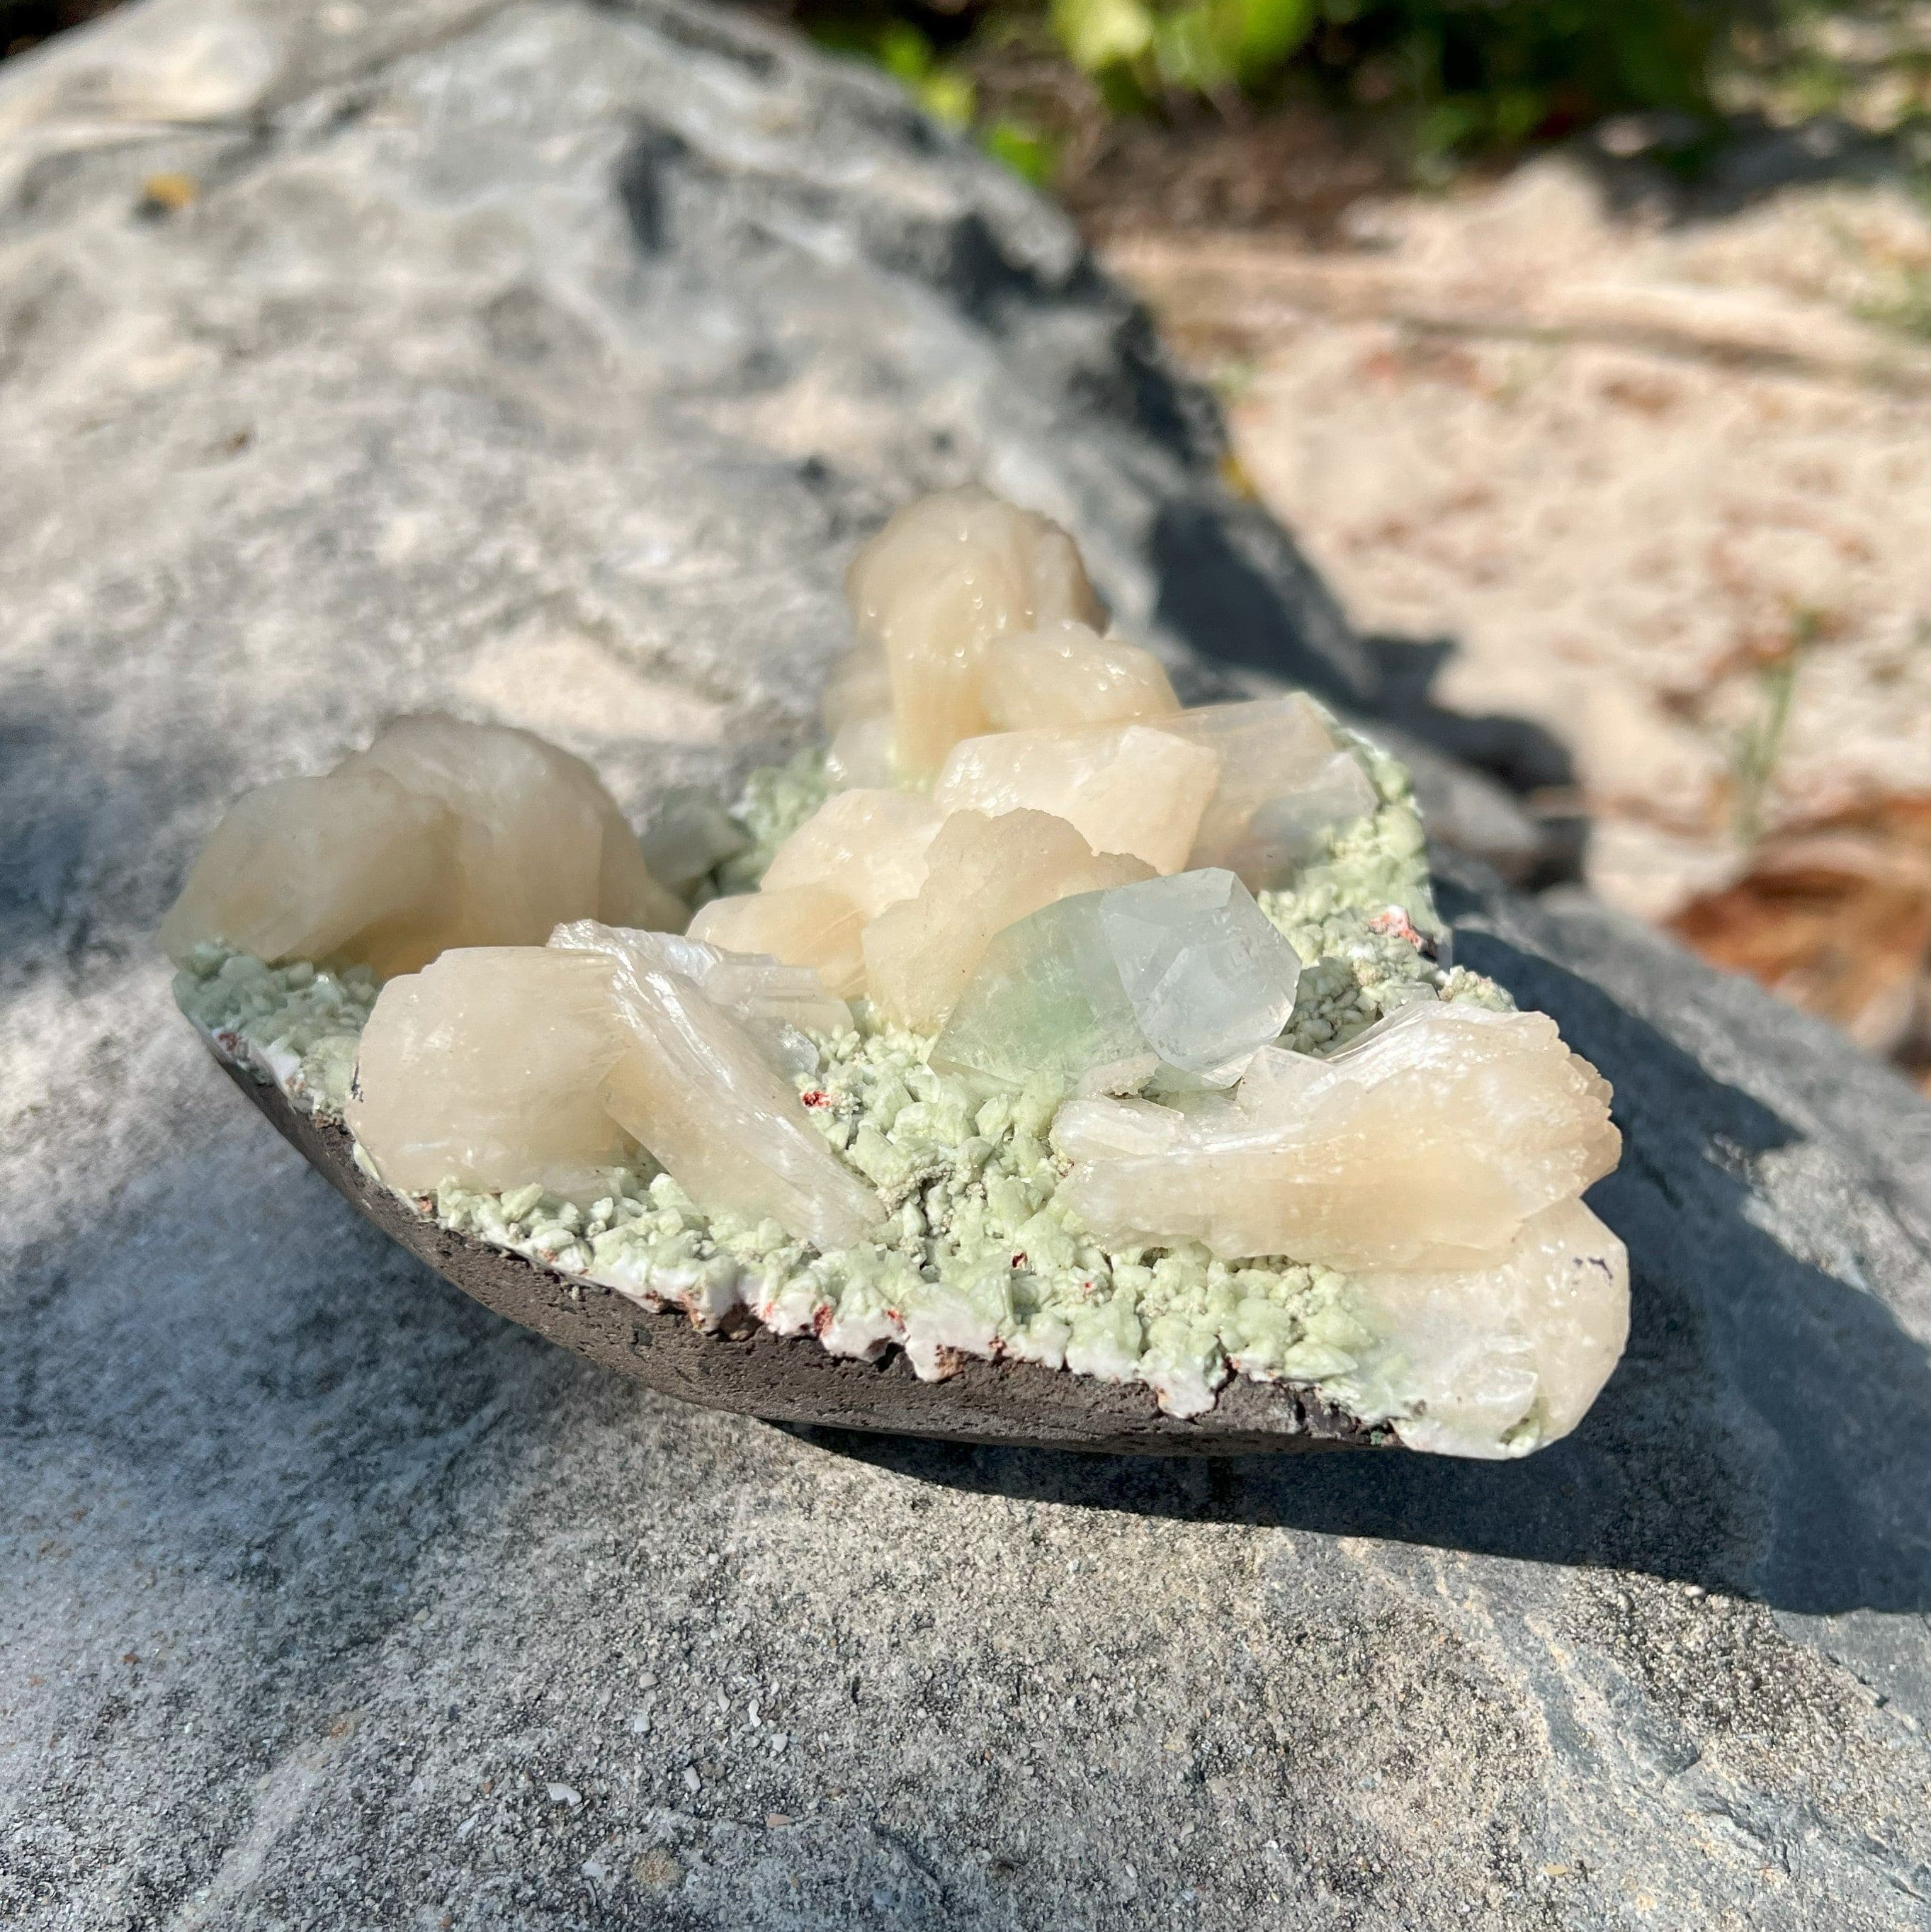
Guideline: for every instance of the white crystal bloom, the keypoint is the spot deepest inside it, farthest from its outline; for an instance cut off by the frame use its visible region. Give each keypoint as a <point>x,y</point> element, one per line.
<point>1181,980</point>
<point>1425,1144</point>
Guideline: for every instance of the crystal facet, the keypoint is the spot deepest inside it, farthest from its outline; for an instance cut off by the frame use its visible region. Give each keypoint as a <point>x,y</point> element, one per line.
<point>945,575</point>
<point>1124,788</point>
<point>1180,978</point>
<point>985,873</point>
<point>802,925</point>
<point>692,1087</point>
<point>1425,1144</point>
<point>868,845</point>
<point>1283,781</point>
<point>484,1068</point>
<point>1067,674</point>
<point>442,834</point>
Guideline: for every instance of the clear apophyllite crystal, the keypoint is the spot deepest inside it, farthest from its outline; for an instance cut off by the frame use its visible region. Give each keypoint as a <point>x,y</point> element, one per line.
<point>1496,1361</point>
<point>1426,1144</point>
<point>1179,979</point>
<point>1067,674</point>
<point>484,1068</point>
<point>442,834</point>
<point>982,874</point>
<point>1283,781</point>
<point>692,1086</point>
<point>1124,787</point>
<point>946,574</point>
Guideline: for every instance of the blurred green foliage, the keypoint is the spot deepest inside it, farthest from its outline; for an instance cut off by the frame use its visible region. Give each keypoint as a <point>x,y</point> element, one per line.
<point>1462,76</point>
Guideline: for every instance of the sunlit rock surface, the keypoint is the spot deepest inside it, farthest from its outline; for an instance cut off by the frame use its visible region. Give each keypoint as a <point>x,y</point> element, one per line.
<point>985,873</point>
<point>802,925</point>
<point>945,575</point>
<point>1066,674</point>
<point>692,1086</point>
<point>869,844</point>
<point>442,834</point>
<point>1425,1144</point>
<point>1283,781</point>
<point>1181,980</point>
<point>1497,1361</point>
<point>1124,787</point>
<point>484,1068</point>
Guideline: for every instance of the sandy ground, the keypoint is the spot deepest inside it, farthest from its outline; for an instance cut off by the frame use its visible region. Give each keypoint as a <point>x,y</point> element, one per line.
<point>1659,483</point>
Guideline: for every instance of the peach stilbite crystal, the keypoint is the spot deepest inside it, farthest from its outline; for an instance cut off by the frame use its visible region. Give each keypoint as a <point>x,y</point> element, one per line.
<point>1426,1144</point>
<point>1124,788</point>
<point>985,873</point>
<point>802,925</point>
<point>694,1088</point>
<point>442,834</point>
<point>1497,1361</point>
<point>483,1068</point>
<point>1067,674</point>
<point>1283,780</point>
<point>945,575</point>
<point>869,844</point>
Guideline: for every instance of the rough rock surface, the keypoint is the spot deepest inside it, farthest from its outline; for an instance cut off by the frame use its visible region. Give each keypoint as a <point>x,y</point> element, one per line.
<point>546,361</point>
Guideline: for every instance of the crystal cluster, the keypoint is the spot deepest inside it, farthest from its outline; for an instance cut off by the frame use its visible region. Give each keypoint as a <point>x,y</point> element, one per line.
<point>441,834</point>
<point>1031,879</point>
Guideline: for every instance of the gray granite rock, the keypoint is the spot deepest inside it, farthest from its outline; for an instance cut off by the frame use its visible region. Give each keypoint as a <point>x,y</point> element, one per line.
<point>546,360</point>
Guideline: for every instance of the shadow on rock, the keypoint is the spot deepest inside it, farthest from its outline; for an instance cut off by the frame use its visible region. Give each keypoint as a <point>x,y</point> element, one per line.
<point>1768,1432</point>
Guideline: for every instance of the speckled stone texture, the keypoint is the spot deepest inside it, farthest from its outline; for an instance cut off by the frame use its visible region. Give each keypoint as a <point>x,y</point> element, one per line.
<point>547,361</point>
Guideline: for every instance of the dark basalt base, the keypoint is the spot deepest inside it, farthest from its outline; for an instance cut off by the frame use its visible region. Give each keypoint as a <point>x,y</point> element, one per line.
<point>749,1370</point>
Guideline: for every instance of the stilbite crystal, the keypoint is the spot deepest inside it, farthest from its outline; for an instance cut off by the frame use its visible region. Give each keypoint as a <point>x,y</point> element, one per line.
<point>1180,978</point>
<point>442,834</point>
<point>1283,780</point>
<point>947,574</point>
<point>869,844</point>
<point>1124,787</point>
<point>1424,1145</point>
<point>802,925</point>
<point>1497,1361</point>
<point>1067,674</point>
<point>692,1086</point>
<point>984,874</point>
<point>484,1068</point>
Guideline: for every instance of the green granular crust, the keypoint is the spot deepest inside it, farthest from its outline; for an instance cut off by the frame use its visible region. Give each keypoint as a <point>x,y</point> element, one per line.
<point>977,1234</point>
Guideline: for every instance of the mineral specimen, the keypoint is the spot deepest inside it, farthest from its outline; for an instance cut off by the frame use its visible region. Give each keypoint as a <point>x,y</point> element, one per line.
<point>983,874</point>
<point>1283,781</point>
<point>1181,980</point>
<point>692,1087</point>
<point>868,845</point>
<point>945,576</point>
<point>802,925</point>
<point>1067,674</point>
<point>1425,1144</point>
<point>484,1068</point>
<point>1123,787</point>
<point>442,834</point>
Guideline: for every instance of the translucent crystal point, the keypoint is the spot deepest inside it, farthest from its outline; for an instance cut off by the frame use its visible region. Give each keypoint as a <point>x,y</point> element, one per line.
<point>1067,674</point>
<point>945,575</point>
<point>1425,1144</point>
<point>869,844</point>
<point>1284,780</point>
<point>1182,979</point>
<point>1497,1361</point>
<point>802,925</point>
<point>1124,787</point>
<point>693,1087</point>
<point>442,834</point>
<point>983,874</point>
<point>484,1068</point>
<point>690,834</point>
